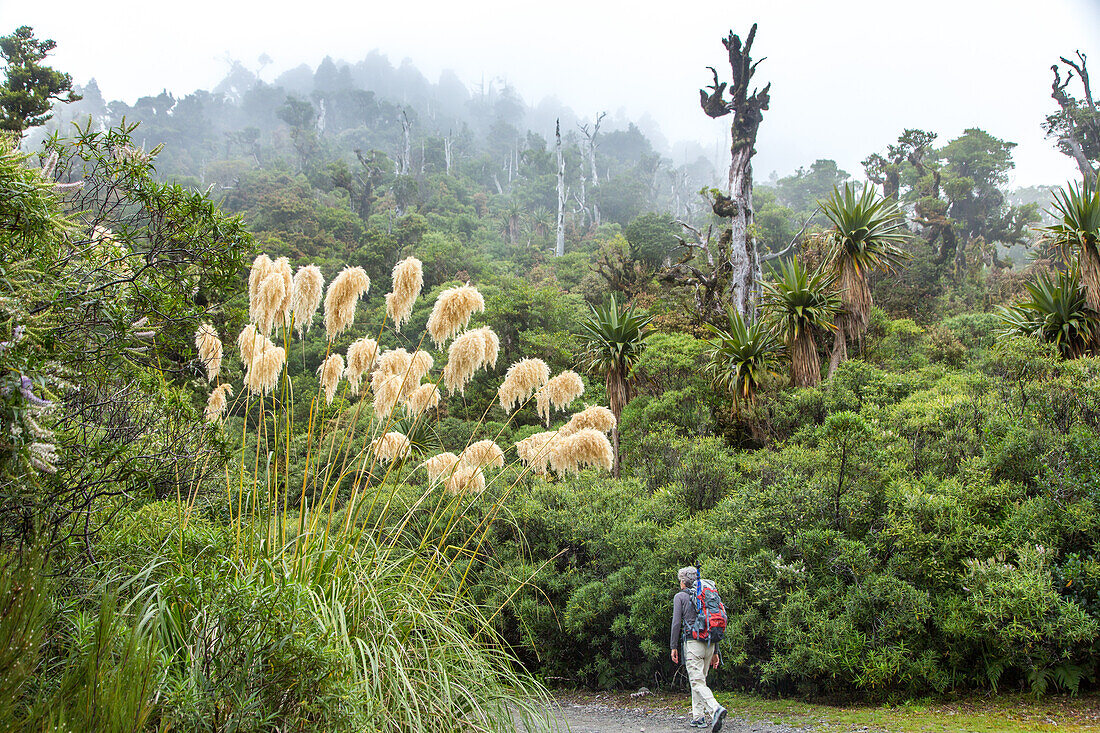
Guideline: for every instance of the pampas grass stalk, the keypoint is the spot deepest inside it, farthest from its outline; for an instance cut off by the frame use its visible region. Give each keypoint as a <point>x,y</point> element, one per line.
<point>439,466</point>
<point>483,454</point>
<point>595,417</point>
<point>558,393</point>
<point>261,267</point>
<point>452,311</point>
<point>329,372</point>
<point>465,480</point>
<point>392,446</point>
<point>362,356</point>
<point>342,297</point>
<point>216,403</point>
<point>468,353</point>
<point>408,280</point>
<point>521,381</point>
<point>305,296</point>
<point>210,350</point>
<point>586,447</point>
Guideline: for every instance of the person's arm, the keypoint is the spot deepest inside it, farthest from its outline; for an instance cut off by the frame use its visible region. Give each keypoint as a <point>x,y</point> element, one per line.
<point>674,634</point>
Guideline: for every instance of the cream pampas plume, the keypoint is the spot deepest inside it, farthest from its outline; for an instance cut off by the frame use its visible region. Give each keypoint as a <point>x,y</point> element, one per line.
<point>210,350</point>
<point>215,405</point>
<point>391,447</point>
<point>330,371</point>
<point>468,353</point>
<point>584,448</point>
<point>440,466</point>
<point>520,382</point>
<point>266,366</point>
<point>593,417</point>
<point>422,399</point>
<point>281,267</point>
<point>305,296</point>
<point>342,297</point>
<point>387,392</point>
<point>398,363</point>
<point>273,293</point>
<point>534,451</point>
<point>420,364</point>
<point>558,393</point>
<point>452,310</point>
<point>362,355</point>
<point>465,480</point>
<point>252,343</point>
<point>408,279</point>
<point>261,267</point>
<point>483,454</point>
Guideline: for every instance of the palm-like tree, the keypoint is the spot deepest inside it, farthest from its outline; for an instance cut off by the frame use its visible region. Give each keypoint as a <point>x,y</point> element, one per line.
<point>867,233</point>
<point>1077,210</point>
<point>740,357</point>
<point>1058,313</point>
<point>802,302</point>
<point>613,340</point>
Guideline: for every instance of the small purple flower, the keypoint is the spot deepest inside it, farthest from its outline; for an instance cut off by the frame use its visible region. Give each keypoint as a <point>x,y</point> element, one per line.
<point>26,387</point>
<point>16,337</point>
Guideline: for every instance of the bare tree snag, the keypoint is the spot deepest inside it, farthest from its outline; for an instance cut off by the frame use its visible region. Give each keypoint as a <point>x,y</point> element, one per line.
<point>405,159</point>
<point>559,247</point>
<point>448,143</point>
<point>1077,126</point>
<point>748,112</point>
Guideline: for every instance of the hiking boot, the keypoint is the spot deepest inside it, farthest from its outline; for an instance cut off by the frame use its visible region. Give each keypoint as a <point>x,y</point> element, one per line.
<point>719,718</point>
<point>698,722</point>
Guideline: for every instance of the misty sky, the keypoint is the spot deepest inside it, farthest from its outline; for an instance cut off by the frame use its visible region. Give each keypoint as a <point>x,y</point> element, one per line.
<point>847,75</point>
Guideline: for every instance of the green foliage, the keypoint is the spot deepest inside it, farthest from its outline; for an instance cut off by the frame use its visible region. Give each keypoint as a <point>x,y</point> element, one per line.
<point>867,229</point>
<point>29,88</point>
<point>741,357</point>
<point>801,299</point>
<point>1057,314</point>
<point>1077,213</point>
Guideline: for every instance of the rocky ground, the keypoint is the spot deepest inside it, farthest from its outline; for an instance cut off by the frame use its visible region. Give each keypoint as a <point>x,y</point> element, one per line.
<point>642,712</point>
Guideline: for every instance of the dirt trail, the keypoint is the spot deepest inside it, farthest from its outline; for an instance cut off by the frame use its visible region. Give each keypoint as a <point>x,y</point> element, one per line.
<point>624,713</point>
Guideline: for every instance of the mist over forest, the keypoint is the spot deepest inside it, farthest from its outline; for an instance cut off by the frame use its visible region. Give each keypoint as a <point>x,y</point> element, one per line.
<point>353,401</point>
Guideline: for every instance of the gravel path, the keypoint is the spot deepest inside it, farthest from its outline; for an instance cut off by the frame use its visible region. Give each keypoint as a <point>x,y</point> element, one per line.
<point>623,713</point>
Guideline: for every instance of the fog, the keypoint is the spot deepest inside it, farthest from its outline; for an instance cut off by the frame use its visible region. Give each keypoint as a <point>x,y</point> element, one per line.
<point>846,77</point>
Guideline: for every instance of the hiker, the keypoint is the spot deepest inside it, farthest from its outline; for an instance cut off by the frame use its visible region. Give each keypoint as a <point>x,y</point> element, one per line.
<point>698,656</point>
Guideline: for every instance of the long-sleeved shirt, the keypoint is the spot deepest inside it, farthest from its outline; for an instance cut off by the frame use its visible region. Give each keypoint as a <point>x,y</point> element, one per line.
<point>683,617</point>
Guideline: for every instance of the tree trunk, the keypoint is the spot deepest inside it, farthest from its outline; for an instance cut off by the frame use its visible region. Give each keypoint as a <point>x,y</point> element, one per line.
<point>840,351</point>
<point>742,286</point>
<point>805,363</point>
<point>559,247</point>
<point>617,398</point>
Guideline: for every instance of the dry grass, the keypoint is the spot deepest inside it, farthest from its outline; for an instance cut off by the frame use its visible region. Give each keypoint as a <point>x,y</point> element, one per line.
<point>362,356</point>
<point>586,447</point>
<point>483,454</point>
<point>595,417</point>
<point>391,447</point>
<point>329,373</point>
<point>210,350</point>
<point>439,466</point>
<point>305,296</point>
<point>558,393</point>
<point>521,381</point>
<point>215,404</point>
<point>422,399</point>
<point>342,297</point>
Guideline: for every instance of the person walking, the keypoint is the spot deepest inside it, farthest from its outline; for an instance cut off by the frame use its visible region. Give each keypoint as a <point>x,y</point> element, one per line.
<point>698,656</point>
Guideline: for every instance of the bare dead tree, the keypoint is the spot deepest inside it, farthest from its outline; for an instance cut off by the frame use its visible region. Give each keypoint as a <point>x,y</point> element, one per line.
<point>1077,126</point>
<point>404,161</point>
<point>730,277</point>
<point>448,143</point>
<point>590,152</point>
<point>559,247</point>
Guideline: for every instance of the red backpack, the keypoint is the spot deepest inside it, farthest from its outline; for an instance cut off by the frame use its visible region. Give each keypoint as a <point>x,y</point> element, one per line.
<point>710,613</point>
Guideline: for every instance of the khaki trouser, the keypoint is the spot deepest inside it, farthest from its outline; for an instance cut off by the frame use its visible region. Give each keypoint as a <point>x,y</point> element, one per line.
<point>697,659</point>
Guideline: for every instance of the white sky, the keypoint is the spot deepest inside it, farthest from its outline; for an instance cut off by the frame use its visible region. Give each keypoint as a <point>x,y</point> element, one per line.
<point>847,75</point>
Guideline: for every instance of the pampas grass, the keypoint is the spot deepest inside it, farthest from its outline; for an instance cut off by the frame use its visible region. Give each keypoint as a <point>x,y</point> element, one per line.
<point>392,446</point>
<point>252,343</point>
<point>281,267</point>
<point>534,451</point>
<point>465,480</point>
<point>439,466</point>
<point>422,399</point>
<point>215,404</point>
<point>305,296</point>
<point>483,454</point>
<point>362,355</point>
<point>408,279</point>
<point>329,372</point>
<point>387,392</point>
<point>468,353</point>
<point>394,362</point>
<point>265,367</point>
<point>342,297</point>
<point>594,417</point>
<point>451,312</point>
<point>261,267</point>
<point>521,381</point>
<point>210,350</point>
<point>586,447</point>
<point>558,393</point>
<point>420,364</point>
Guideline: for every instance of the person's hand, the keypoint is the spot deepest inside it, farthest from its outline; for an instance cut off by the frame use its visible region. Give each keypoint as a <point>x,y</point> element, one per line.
<point>675,656</point>
<point>714,662</point>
